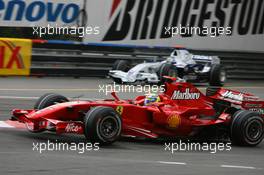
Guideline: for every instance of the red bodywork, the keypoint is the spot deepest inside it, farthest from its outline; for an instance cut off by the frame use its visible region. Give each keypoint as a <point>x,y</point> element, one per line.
<point>182,111</point>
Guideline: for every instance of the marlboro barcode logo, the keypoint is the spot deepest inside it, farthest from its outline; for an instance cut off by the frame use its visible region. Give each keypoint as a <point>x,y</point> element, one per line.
<point>187,95</point>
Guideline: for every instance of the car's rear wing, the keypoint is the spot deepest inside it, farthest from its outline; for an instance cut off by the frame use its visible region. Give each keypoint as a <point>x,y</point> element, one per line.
<point>206,59</point>
<point>247,101</point>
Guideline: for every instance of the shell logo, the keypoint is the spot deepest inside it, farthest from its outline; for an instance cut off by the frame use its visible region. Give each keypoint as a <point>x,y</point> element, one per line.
<point>174,121</point>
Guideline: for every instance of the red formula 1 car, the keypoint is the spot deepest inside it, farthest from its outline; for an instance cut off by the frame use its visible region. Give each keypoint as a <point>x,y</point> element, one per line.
<point>183,111</point>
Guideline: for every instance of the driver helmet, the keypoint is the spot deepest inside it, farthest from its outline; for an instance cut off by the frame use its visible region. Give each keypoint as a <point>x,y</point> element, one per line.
<point>151,98</point>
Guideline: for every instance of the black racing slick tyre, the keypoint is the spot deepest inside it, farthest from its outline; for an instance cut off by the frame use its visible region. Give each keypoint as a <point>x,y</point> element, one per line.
<point>167,70</point>
<point>102,125</point>
<point>49,99</point>
<point>121,65</point>
<point>217,75</point>
<point>246,128</point>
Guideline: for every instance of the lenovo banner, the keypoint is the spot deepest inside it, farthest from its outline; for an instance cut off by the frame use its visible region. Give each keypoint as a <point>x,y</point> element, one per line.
<point>40,13</point>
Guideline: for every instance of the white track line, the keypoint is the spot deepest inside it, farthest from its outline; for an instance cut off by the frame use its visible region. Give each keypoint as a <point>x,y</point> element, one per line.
<point>35,98</point>
<point>222,166</point>
<point>17,98</point>
<point>172,163</point>
<point>238,166</point>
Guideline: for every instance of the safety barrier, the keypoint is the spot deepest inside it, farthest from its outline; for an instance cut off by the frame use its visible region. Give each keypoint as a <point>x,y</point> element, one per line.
<point>60,58</point>
<point>15,56</point>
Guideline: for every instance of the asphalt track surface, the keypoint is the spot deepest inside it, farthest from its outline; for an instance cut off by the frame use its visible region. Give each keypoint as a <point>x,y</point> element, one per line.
<point>124,157</point>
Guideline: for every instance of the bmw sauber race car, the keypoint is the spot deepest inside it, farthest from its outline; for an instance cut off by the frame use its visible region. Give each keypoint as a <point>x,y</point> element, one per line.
<point>181,63</point>
<point>182,111</point>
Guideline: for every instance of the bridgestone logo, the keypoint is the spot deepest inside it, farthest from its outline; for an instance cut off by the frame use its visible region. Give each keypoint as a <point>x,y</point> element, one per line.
<point>178,95</point>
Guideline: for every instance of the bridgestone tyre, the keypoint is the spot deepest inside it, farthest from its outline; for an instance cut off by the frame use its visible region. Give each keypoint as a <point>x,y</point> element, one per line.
<point>49,99</point>
<point>217,75</point>
<point>246,128</point>
<point>102,125</point>
<point>121,65</point>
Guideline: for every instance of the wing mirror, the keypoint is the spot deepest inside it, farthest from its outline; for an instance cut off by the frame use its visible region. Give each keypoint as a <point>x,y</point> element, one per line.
<point>169,79</point>
<point>115,96</point>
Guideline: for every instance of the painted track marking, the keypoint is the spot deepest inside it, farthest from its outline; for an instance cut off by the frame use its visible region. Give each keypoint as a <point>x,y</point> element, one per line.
<point>238,166</point>
<point>222,166</point>
<point>18,97</point>
<point>172,163</point>
<point>35,98</point>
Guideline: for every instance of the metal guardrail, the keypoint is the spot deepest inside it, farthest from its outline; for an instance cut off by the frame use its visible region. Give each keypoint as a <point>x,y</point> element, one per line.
<point>84,60</point>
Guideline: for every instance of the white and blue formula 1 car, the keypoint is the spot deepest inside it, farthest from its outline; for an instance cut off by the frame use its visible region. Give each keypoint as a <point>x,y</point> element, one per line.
<point>181,64</point>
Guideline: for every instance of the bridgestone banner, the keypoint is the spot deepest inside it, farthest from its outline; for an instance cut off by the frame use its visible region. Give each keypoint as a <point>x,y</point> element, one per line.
<point>236,25</point>
<point>200,24</point>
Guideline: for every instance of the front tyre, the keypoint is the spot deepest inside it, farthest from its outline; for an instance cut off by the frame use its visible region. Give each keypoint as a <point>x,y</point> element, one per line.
<point>121,65</point>
<point>49,99</point>
<point>217,75</point>
<point>117,80</point>
<point>102,125</point>
<point>247,128</point>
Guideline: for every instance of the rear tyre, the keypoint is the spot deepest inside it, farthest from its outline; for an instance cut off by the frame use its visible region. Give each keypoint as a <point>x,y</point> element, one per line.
<point>217,75</point>
<point>246,128</point>
<point>121,65</point>
<point>102,125</point>
<point>48,100</point>
<point>167,70</point>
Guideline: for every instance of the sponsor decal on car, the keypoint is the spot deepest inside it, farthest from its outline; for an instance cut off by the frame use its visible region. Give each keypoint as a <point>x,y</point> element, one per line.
<point>259,110</point>
<point>250,105</point>
<point>231,95</point>
<point>72,127</point>
<point>174,121</point>
<point>187,95</point>
<point>30,126</point>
